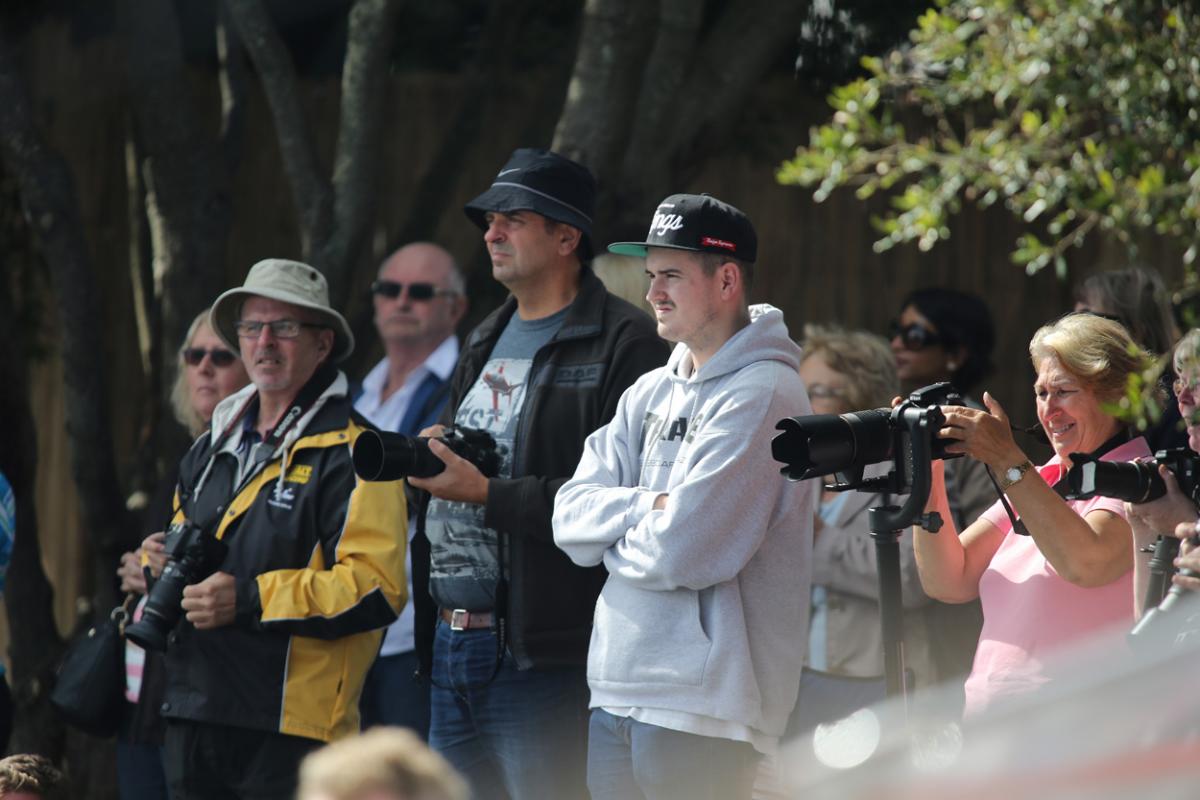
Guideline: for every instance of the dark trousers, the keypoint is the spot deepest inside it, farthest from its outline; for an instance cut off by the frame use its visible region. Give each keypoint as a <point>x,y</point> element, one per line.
<point>205,761</point>
<point>522,735</point>
<point>392,695</point>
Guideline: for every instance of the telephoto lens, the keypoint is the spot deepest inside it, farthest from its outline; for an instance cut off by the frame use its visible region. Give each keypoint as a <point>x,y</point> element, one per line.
<point>1130,481</point>
<point>383,456</point>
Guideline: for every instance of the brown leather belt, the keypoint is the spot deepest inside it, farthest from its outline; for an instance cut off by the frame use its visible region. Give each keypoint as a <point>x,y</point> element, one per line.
<point>460,619</point>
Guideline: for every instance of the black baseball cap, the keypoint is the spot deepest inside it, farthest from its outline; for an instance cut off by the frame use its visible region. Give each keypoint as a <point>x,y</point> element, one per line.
<point>546,183</point>
<point>700,223</point>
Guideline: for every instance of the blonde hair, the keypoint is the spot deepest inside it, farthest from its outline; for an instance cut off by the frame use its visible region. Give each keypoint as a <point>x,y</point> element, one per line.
<point>181,398</point>
<point>32,774</point>
<point>1099,352</point>
<point>391,760</point>
<point>863,358</point>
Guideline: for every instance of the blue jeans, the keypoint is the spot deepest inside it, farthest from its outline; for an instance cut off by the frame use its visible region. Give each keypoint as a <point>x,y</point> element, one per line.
<point>392,695</point>
<point>521,736</point>
<point>631,760</point>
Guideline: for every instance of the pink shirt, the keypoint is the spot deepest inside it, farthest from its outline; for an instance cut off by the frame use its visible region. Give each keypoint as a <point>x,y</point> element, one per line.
<point>1029,611</point>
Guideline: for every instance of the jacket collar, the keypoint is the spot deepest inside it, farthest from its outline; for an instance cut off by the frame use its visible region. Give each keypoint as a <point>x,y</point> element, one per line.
<point>585,314</point>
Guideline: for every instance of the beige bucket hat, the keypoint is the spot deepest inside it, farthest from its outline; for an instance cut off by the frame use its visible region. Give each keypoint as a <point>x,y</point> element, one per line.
<point>289,282</point>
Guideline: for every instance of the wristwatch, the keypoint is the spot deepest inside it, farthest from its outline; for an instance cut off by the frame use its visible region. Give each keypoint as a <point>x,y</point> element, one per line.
<point>1014,474</point>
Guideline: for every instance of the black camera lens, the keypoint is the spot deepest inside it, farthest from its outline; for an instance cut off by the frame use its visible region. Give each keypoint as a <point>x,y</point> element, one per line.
<point>162,610</point>
<point>381,456</point>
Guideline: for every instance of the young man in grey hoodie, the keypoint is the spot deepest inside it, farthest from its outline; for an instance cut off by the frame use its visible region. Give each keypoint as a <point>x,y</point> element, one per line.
<point>699,631</point>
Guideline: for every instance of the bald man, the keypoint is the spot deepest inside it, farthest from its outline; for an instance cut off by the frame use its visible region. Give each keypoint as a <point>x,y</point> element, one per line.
<point>418,298</point>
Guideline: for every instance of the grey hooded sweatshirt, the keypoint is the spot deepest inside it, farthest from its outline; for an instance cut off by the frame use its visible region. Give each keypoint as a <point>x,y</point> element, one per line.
<point>702,624</point>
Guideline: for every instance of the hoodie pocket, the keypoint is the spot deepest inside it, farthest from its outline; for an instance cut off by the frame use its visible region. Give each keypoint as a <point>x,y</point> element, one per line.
<point>648,637</point>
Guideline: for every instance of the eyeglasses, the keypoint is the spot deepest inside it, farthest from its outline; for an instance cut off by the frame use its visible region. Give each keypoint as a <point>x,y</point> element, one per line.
<point>193,356</point>
<point>280,328</point>
<point>416,291</point>
<point>1191,386</point>
<point>823,392</point>
<point>913,336</point>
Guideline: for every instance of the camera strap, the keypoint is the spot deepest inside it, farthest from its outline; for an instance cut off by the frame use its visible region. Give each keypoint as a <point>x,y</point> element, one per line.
<point>305,399</point>
<point>1061,486</point>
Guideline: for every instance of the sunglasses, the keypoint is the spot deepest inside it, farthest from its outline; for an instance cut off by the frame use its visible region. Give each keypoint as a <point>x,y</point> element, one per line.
<point>192,356</point>
<point>416,291</point>
<point>914,336</point>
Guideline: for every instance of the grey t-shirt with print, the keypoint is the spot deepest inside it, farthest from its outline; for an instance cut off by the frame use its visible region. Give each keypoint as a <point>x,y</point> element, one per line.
<point>464,553</point>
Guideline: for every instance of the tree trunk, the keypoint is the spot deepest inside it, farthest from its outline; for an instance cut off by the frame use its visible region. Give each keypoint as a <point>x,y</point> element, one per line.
<point>335,214</point>
<point>187,183</point>
<point>48,199</point>
<point>372,32</point>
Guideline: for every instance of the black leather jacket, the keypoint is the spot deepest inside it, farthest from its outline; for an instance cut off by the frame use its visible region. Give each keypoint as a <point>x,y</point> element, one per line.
<point>575,381</point>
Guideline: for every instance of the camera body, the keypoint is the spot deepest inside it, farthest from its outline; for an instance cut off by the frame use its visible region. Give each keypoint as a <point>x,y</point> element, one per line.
<point>193,553</point>
<point>383,456</point>
<point>1133,482</point>
<point>843,445</point>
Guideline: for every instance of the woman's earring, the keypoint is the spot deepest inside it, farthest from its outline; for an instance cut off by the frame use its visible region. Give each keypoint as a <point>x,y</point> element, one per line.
<point>950,365</point>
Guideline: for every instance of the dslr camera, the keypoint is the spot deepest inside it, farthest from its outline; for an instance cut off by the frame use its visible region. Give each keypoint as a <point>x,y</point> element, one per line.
<point>193,553</point>
<point>1133,482</point>
<point>842,445</point>
<point>383,456</point>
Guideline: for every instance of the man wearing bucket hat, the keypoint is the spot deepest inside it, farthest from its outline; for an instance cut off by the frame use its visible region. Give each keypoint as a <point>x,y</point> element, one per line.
<point>270,657</point>
<point>503,617</point>
<point>699,632</point>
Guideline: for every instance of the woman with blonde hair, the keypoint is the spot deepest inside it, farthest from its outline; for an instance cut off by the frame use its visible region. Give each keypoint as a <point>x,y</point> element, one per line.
<point>206,373</point>
<point>847,371</point>
<point>1070,575</point>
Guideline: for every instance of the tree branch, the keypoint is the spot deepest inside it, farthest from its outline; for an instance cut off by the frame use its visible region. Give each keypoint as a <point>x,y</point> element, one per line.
<point>311,192</point>
<point>753,33</point>
<point>231,74</point>
<point>600,97</point>
<point>369,40</point>
<point>187,191</point>
<point>644,169</point>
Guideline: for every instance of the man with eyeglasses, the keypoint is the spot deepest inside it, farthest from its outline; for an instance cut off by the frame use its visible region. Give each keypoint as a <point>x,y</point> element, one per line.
<point>418,299</point>
<point>503,616</point>
<point>271,654</point>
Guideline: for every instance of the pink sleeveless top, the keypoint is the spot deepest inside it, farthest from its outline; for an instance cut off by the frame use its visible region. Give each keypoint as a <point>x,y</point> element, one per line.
<point>1029,611</point>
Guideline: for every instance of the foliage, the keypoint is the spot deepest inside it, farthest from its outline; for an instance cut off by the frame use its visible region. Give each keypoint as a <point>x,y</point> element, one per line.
<point>1076,114</point>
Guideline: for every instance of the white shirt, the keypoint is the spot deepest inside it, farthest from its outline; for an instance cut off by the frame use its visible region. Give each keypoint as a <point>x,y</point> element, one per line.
<point>387,415</point>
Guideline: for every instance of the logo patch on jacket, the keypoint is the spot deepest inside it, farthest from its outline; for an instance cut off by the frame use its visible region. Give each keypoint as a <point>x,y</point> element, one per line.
<point>299,473</point>
<point>282,496</point>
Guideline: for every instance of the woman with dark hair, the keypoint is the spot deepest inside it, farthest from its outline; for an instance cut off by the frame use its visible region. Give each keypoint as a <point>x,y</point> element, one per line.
<point>1137,298</point>
<point>947,335</point>
<point>942,335</point>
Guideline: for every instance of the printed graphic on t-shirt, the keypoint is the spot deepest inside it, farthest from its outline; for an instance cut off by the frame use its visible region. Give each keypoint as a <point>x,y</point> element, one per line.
<point>464,552</point>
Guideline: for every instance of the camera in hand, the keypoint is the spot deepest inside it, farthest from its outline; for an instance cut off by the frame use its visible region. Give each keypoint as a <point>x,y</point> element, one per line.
<point>193,554</point>
<point>844,444</point>
<point>383,456</point>
<point>1133,482</point>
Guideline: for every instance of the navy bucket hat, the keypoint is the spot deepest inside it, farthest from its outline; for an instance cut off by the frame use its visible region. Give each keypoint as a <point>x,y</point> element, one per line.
<point>546,183</point>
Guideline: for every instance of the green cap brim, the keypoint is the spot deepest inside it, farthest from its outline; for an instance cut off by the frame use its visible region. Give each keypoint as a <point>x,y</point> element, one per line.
<point>637,249</point>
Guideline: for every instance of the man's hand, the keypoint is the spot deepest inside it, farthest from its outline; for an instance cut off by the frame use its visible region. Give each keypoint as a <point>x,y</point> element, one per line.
<point>212,602</point>
<point>660,502</point>
<point>461,480</point>
<point>154,553</point>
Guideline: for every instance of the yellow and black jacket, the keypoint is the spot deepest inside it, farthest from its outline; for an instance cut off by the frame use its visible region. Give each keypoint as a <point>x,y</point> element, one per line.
<point>318,558</point>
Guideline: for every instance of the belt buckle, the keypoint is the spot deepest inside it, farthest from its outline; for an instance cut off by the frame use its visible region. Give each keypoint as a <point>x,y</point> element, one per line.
<point>460,618</point>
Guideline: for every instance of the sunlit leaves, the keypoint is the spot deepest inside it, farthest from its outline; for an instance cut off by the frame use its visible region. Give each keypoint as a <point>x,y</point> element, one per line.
<point>1073,113</point>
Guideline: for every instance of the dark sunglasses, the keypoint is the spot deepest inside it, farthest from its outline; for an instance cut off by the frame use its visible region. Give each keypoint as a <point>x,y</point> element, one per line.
<point>416,291</point>
<point>192,356</point>
<point>914,336</point>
